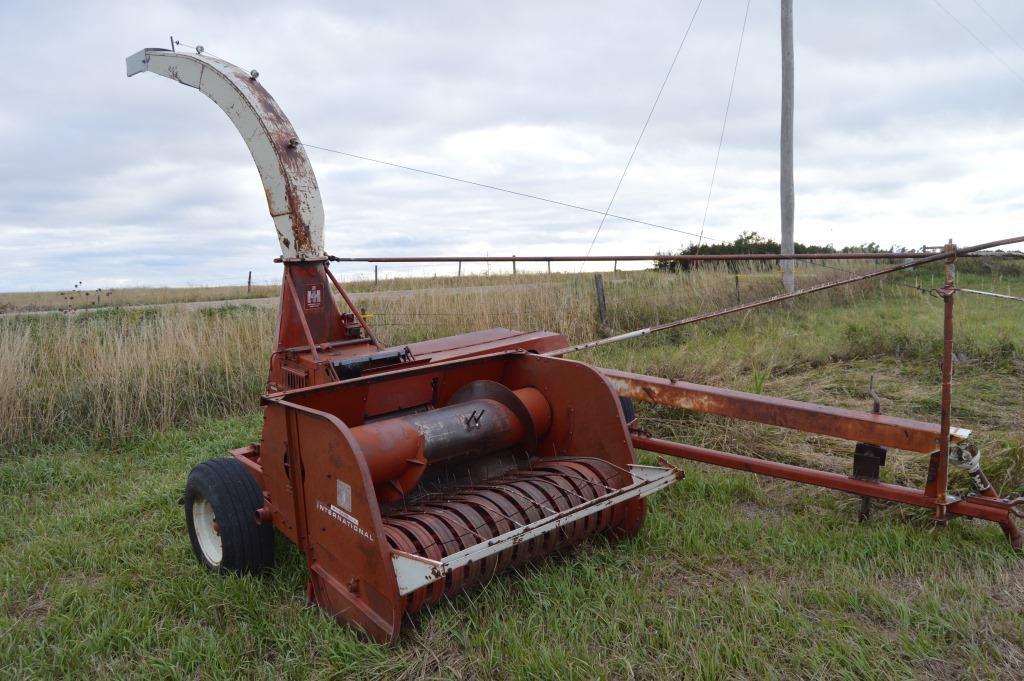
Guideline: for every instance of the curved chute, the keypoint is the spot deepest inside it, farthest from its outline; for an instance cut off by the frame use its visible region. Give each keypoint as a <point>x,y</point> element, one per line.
<point>292,192</point>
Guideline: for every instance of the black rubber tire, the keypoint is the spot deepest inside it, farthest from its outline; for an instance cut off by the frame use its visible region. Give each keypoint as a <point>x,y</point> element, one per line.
<point>628,409</point>
<point>235,497</point>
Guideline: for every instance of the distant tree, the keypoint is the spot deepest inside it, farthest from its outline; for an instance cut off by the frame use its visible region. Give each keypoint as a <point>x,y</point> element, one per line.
<point>747,242</point>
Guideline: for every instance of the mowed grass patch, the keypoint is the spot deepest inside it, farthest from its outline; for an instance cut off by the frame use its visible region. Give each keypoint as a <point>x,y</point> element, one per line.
<point>731,576</point>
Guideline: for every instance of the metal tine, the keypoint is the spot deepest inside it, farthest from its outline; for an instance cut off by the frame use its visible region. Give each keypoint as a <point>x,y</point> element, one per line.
<point>430,531</point>
<point>494,485</point>
<point>412,514</point>
<point>515,492</point>
<point>564,529</point>
<point>427,497</point>
<point>439,496</point>
<point>599,482</point>
<point>584,459</point>
<point>430,545</point>
<point>436,543</point>
<point>495,510</point>
<point>491,507</point>
<point>589,482</point>
<point>540,480</point>
<point>455,519</point>
<point>563,489</point>
<point>483,487</point>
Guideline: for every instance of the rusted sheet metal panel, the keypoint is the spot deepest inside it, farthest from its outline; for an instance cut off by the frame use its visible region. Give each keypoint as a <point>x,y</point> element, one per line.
<point>288,180</point>
<point>486,342</point>
<point>887,431</point>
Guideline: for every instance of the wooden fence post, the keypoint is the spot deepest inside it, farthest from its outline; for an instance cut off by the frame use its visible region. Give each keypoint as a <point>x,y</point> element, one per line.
<point>375,275</point>
<point>248,287</point>
<point>602,305</point>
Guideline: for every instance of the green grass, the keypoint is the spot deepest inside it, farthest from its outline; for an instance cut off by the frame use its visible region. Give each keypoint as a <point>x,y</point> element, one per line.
<point>733,576</point>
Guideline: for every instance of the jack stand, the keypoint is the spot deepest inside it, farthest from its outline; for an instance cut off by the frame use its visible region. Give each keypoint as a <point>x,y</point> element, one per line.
<point>867,460</point>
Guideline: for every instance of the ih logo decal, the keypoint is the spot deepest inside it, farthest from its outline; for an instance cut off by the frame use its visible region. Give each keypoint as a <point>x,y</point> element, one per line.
<point>314,296</point>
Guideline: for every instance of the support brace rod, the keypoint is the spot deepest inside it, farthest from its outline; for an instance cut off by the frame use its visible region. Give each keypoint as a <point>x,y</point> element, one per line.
<point>986,509</point>
<point>293,294</point>
<point>989,293</point>
<point>355,310</point>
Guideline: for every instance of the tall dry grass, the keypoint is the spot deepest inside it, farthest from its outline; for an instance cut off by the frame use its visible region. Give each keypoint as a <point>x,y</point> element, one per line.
<point>108,374</point>
<point>568,303</point>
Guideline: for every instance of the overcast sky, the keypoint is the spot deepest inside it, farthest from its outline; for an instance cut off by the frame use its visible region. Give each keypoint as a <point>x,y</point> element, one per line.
<point>907,130</point>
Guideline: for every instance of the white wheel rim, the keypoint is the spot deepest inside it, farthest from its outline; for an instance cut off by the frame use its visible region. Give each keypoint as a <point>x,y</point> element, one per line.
<point>203,520</point>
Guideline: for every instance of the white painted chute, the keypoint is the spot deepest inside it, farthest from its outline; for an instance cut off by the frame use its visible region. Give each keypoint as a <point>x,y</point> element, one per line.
<point>288,179</point>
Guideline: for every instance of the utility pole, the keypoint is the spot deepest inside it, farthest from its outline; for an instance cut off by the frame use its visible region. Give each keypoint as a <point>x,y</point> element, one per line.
<point>786,193</point>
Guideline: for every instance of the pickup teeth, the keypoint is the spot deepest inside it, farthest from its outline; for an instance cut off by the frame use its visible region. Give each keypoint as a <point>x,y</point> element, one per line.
<point>474,514</point>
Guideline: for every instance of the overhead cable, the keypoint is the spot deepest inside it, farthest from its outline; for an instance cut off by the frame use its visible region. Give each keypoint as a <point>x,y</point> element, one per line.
<point>647,122</point>
<point>980,41</point>
<point>725,121</point>
<point>496,188</point>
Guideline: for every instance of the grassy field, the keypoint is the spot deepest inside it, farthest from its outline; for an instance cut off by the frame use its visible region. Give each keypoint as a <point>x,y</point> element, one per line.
<point>79,298</point>
<point>110,373</point>
<point>733,576</point>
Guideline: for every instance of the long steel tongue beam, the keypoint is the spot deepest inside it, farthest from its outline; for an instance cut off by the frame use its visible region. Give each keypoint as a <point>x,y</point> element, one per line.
<point>807,417</point>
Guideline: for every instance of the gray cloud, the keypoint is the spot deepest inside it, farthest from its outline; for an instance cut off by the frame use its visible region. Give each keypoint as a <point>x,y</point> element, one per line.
<point>907,130</point>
